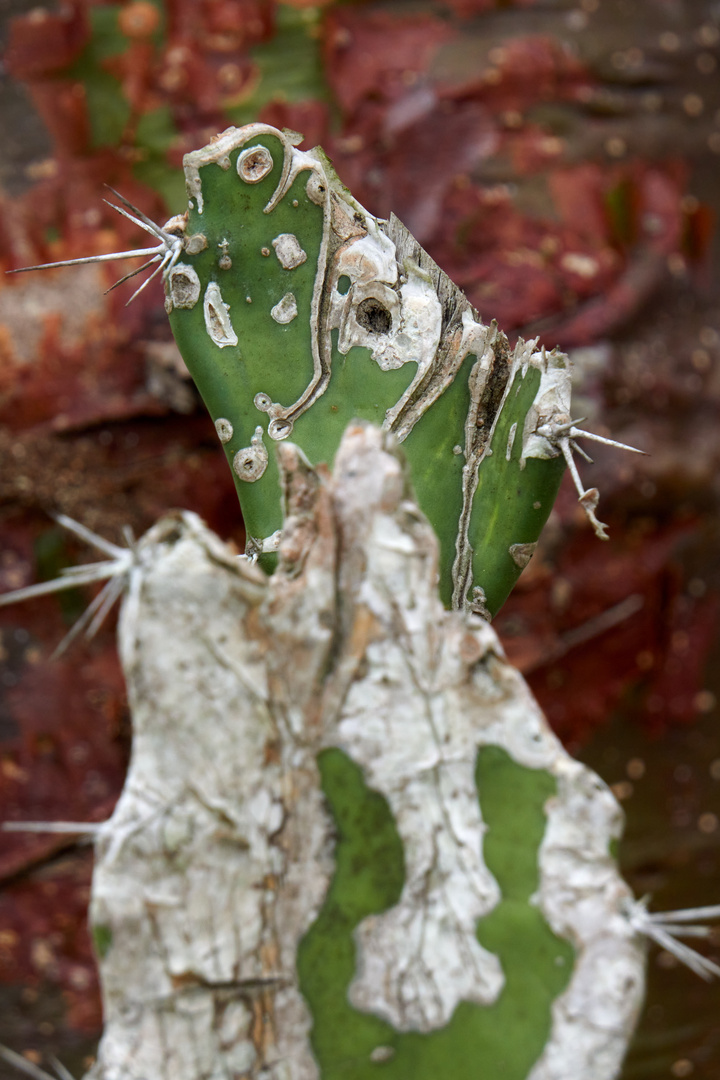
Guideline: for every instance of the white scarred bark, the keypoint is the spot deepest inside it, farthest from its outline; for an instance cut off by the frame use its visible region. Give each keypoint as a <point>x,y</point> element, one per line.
<point>219,853</point>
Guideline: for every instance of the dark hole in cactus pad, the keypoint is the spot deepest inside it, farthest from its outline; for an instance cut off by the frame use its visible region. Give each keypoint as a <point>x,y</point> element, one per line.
<point>373,316</point>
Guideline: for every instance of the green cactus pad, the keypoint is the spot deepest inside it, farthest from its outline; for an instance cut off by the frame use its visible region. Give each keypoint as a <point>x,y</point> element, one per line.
<point>296,312</point>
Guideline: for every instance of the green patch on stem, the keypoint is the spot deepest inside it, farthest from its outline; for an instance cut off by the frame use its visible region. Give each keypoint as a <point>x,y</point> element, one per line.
<point>369,876</point>
<point>502,1040</point>
<point>102,939</point>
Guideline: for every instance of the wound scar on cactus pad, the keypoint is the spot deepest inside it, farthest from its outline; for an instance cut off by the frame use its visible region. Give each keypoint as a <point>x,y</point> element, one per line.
<point>183,286</point>
<point>254,164</point>
<point>279,427</point>
<point>316,189</point>
<point>224,429</point>
<point>288,250</point>
<point>285,310</point>
<point>510,442</point>
<point>195,244</point>
<point>217,320</point>
<point>251,462</point>
<point>521,554</point>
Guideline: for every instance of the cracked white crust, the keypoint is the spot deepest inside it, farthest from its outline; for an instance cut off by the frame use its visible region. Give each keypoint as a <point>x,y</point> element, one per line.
<point>219,852</point>
<point>584,900</point>
<point>187,875</point>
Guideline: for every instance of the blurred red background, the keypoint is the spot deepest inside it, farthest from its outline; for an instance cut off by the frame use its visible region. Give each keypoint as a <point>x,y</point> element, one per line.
<point>560,161</point>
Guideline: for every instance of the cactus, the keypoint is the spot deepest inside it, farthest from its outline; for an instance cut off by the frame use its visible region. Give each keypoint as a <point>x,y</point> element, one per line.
<point>424,875</point>
<point>348,840</point>
<point>315,838</point>
<point>297,311</point>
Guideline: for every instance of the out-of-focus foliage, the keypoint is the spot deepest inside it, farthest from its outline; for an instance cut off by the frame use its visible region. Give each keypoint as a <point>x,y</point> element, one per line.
<point>558,161</point>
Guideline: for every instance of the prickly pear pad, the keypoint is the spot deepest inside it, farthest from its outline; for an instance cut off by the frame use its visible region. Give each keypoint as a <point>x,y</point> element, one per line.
<point>297,311</point>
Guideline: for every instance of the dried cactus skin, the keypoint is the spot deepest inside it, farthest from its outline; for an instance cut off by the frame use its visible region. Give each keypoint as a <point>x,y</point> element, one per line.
<point>297,311</point>
<point>348,839</point>
<point>347,830</point>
